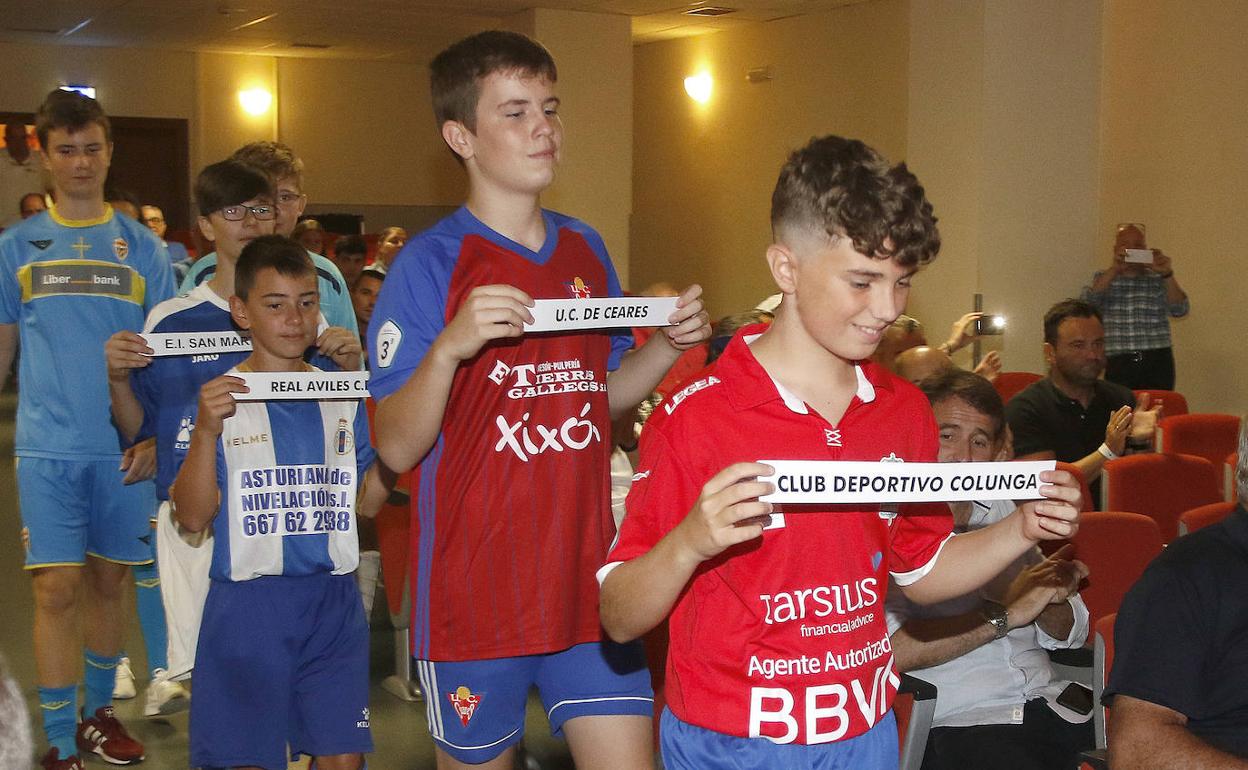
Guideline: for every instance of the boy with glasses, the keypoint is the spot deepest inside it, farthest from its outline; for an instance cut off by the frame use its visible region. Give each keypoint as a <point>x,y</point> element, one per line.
<point>285,173</point>
<point>156,396</point>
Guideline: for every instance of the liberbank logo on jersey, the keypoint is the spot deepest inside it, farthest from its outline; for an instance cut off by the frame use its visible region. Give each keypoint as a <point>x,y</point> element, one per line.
<point>71,276</point>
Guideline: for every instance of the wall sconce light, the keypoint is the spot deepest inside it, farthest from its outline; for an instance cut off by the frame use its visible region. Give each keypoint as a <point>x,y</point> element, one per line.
<point>255,101</point>
<point>699,87</point>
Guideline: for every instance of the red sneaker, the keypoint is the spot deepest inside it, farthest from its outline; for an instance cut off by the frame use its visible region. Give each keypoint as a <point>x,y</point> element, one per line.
<point>102,734</point>
<point>52,761</point>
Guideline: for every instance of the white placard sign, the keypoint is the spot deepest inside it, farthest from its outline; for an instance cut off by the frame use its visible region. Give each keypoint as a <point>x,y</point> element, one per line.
<point>599,313</point>
<point>829,481</point>
<point>294,386</point>
<point>197,343</point>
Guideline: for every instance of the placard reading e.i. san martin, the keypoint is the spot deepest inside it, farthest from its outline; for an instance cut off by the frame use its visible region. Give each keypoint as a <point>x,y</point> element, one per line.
<point>293,386</point>
<point>599,313</point>
<point>830,481</point>
<point>196,343</point>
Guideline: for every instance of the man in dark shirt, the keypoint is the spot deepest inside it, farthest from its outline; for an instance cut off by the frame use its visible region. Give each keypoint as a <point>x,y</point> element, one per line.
<point>1179,684</point>
<point>1072,415</point>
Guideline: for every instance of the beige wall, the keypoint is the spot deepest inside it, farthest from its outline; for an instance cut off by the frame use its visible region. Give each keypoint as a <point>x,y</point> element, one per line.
<point>366,132</point>
<point>594,53</point>
<point>703,174</point>
<point>1004,133</point>
<point>944,149</point>
<point>1175,104</point>
<point>149,84</point>
<point>224,126</point>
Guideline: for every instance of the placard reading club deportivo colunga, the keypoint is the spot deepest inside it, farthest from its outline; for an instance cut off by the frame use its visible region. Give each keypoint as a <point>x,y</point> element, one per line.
<point>829,481</point>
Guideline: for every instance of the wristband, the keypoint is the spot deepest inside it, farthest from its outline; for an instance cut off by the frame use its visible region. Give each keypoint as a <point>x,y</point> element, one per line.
<point>1167,275</point>
<point>1105,450</point>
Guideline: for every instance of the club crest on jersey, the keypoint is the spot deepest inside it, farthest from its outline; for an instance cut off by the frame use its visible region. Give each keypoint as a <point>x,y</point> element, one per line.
<point>343,440</point>
<point>121,249</point>
<point>183,440</point>
<point>579,289</point>
<point>465,702</point>
<point>42,245</point>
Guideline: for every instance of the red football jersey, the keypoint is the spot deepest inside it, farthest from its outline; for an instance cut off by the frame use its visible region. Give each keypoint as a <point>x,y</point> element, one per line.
<point>784,637</point>
<point>512,506</point>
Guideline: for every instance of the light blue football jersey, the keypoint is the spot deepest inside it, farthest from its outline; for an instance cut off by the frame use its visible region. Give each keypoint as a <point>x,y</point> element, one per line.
<point>70,285</point>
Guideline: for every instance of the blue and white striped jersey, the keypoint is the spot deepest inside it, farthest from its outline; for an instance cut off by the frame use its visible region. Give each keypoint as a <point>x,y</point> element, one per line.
<point>288,472</point>
<point>168,388</point>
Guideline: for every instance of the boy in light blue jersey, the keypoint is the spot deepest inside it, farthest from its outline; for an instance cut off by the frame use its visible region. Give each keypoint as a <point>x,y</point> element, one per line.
<point>71,277</point>
<point>282,660</point>
<point>285,172</point>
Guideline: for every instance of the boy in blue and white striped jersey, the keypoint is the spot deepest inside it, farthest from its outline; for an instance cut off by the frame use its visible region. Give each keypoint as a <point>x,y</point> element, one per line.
<point>283,648</point>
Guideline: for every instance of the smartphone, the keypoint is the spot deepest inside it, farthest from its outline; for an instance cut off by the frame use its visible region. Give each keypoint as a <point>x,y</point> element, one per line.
<point>1142,256</point>
<point>1077,698</point>
<point>989,324</point>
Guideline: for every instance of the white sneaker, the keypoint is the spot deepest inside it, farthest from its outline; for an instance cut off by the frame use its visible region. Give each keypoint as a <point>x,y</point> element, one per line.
<point>165,696</point>
<point>123,686</point>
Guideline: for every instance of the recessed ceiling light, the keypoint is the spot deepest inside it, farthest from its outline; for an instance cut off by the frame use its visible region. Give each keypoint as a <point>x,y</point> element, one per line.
<point>710,10</point>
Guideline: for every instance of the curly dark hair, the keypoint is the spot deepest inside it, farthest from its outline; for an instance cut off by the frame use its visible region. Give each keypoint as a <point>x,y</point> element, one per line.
<point>846,189</point>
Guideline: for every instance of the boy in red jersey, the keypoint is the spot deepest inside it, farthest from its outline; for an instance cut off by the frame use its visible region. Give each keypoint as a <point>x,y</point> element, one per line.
<point>777,621</point>
<point>511,431</point>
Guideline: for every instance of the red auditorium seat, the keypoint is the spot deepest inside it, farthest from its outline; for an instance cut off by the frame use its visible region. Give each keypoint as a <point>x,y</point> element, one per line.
<point>1088,503</point>
<point>1172,402</point>
<point>1232,490</point>
<point>1211,436</point>
<point>1102,662</point>
<point>1160,486</point>
<point>1202,516</point>
<point>1116,546</point>
<point>1010,384</point>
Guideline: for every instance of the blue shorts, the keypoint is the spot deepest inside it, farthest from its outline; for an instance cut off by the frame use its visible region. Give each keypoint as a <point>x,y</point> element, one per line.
<point>281,660</point>
<point>72,508</point>
<point>475,708</point>
<point>689,747</point>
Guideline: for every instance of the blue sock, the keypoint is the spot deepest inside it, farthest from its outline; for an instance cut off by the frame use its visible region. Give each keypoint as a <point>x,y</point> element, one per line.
<point>59,706</point>
<point>101,676</point>
<point>151,615</point>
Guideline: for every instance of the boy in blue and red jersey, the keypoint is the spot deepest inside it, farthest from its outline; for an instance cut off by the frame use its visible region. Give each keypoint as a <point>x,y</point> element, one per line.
<point>779,654</point>
<point>511,432</point>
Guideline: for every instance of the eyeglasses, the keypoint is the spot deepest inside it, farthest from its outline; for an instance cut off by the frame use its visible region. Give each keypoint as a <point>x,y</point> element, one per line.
<point>287,198</point>
<point>262,213</point>
<point>154,220</point>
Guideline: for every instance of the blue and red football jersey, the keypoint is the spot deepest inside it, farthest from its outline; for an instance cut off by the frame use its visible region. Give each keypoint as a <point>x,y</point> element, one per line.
<point>512,506</point>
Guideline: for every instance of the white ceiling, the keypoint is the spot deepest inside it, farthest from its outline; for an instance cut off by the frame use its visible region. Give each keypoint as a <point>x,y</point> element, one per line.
<point>355,29</point>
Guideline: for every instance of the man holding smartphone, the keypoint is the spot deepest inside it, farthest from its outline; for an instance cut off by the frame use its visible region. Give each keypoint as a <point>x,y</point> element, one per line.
<point>1137,295</point>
